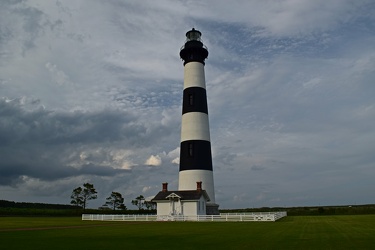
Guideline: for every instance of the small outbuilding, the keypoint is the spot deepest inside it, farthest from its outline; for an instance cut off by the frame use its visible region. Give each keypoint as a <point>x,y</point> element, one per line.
<point>181,203</point>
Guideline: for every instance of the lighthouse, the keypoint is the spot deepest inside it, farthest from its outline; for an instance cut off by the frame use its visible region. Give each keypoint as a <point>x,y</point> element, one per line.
<point>195,147</point>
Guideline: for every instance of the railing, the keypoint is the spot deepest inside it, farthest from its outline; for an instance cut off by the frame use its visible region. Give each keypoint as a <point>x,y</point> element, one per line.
<point>262,216</point>
<point>203,46</point>
<point>119,217</point>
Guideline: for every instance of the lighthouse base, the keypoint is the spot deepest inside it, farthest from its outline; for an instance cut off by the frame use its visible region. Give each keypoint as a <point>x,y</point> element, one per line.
<point>212,209</point>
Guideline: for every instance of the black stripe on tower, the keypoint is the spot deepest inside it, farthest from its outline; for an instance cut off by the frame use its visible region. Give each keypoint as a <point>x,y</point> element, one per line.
<point>193,51</point>
<point>194,100</point>
<point>195,154</point>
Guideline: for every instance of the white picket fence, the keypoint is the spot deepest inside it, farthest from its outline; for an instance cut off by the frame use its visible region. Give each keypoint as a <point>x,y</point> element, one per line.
<point>261,216</point>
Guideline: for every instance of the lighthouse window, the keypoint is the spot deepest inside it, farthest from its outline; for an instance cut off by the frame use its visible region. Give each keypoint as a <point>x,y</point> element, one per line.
<point>191,149</point>
<point>191,100</point>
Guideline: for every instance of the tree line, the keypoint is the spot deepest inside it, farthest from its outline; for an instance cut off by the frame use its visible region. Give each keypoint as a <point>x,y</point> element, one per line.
<point>81,195</point>
<point>310,211</point>
<point>31,205</point>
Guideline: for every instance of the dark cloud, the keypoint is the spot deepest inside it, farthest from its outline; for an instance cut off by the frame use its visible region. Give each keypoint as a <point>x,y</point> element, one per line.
<point>38,143</point>
<point>41,126</point>
<point>257,168</point>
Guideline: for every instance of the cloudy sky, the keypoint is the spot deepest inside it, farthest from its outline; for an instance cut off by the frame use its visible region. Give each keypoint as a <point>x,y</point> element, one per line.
<point>90,91</point>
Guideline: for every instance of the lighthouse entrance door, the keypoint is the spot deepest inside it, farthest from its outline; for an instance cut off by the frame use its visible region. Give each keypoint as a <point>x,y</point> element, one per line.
<point>174,204</point>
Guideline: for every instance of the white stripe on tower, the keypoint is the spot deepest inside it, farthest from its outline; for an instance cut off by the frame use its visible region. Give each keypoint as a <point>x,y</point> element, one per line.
<point>195,148</point>
<point>195,127</point>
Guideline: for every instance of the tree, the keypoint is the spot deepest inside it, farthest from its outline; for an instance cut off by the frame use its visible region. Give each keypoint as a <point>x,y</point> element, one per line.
<point>76,197</point>
<point>115,201</point>
<point>139,202</point>
<point>88,193</point>
<point>80,196</point>
<point>150,205</point>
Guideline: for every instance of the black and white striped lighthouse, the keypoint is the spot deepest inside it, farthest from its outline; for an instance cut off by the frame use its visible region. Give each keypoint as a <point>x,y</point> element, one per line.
<point>195,148</point>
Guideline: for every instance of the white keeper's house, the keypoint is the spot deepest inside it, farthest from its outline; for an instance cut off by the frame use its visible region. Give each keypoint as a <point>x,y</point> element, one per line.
<point>181,203</point>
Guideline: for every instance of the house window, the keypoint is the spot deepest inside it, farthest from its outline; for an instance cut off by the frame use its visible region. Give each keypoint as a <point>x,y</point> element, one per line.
<point>191,151</point>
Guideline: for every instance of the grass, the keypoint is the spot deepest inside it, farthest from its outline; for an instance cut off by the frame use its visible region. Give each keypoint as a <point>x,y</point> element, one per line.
<point>299,232</point>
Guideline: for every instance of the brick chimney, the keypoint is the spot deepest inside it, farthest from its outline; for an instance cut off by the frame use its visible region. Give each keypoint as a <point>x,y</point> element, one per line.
<point>199,186</point>
<point>165,187</point>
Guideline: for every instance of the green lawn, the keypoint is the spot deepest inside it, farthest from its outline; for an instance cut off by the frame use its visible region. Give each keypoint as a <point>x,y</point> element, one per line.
<point>293,232</point>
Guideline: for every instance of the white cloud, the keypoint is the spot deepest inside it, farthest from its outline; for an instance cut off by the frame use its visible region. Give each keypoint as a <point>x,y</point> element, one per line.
<point>176,160</point>
<point>58,75</point>
<point>283,18</point>
<point>146,189</point>
<point>174,155</point>
<point>154,160</point>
